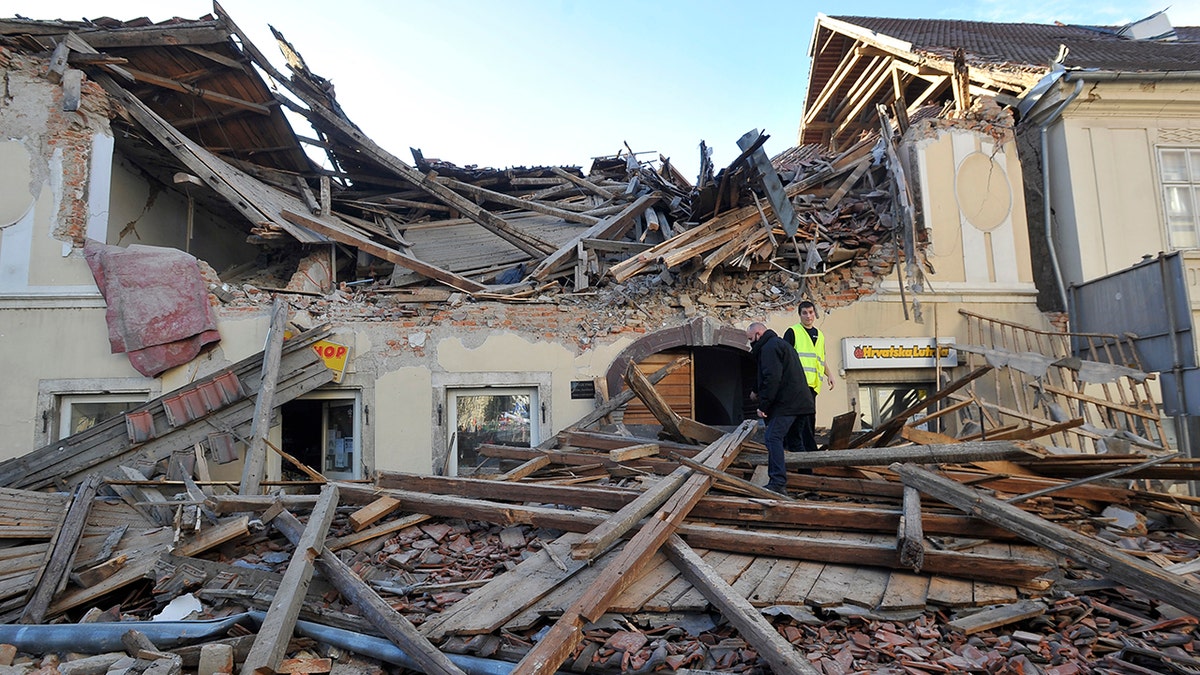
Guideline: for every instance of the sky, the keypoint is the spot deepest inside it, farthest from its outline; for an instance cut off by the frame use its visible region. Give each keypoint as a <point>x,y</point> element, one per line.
<point>500,83</point>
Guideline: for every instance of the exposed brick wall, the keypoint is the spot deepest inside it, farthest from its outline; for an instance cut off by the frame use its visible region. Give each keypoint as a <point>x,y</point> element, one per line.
<point>61,142</point>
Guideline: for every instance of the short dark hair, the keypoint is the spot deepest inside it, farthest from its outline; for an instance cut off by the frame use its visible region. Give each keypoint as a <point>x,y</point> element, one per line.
<point>806,303</point>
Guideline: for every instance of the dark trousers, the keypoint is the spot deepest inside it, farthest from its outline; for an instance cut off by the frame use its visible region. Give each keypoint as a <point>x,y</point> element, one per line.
<point>780,433</point>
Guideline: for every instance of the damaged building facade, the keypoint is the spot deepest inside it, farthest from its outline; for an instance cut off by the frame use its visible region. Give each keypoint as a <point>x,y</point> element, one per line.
<point>467,306</point>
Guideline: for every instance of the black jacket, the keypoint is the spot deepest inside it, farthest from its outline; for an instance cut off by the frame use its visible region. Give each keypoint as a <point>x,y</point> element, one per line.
<point>782,388</point>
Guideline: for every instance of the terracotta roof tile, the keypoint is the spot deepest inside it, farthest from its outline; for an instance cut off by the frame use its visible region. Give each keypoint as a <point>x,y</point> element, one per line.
<point>1090,47</point>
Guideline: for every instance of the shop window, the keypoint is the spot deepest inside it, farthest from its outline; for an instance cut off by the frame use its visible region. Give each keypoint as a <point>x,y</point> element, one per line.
<point>1179,175</point>
<point>323,430</point>
<point>881,402</point>
<point>492,415</point>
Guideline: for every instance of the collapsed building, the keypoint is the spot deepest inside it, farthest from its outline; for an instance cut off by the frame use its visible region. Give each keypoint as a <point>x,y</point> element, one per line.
<point>448,350</point>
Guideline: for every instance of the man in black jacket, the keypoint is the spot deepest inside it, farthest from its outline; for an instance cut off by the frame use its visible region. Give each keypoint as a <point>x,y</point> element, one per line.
<point>783,397</point>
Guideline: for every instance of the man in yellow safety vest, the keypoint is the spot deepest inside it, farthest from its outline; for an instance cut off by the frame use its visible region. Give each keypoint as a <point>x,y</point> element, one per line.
<point>810,347</point>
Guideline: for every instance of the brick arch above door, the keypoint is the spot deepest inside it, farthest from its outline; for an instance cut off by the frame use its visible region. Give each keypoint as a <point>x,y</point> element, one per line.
<point>699,332</point>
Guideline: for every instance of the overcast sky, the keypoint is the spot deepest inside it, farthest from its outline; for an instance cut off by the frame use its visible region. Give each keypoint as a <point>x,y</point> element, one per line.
<point>556,82</point>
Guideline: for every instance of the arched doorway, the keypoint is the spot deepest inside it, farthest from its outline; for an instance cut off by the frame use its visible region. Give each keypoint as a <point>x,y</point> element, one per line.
<point>714,389</point>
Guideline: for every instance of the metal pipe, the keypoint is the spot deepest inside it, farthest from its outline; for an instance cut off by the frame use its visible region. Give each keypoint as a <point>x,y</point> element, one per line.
<point>1047,220</point>
<point>97,638</point>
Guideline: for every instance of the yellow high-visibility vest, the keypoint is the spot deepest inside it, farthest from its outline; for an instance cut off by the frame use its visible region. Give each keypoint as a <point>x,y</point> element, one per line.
<point>812,357</point>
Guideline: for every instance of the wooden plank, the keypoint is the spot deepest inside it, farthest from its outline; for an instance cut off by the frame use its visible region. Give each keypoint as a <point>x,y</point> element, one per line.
<point>750,624</point>
<point>62,552</point>
<point>1083,550</point>
<point>654,402</point>
<point>692,599</point>
<point>549,653</point>
<point>869,588</point>
<point>148,501</point>
<point>628,516</point>
<point>339,543</point>
<point>633,452</point>
<point>142,551</point>
<point>614,403</point>
<point>227,530</point>
<point>910,536</point>
<point>987,593</point>
<point>660,572</point>
<point>368,603</point>
<point>553,604</point>
<point>210,96</point>
<point>999,616</point>
<point>753,575</point>
<point>831,586</point>
<point>490,607</point>
<point>800,583</point>
<point>768,590</point>
<point>516,202</point>
<point>264,404</point>
<point>669,596</point>
<point>905,591</point>
<point>276,630</point>
<point>922,454</point>
<point>447,277</point>
<point>609,228</point>
<point>369,514</point>
<point>950,592</point>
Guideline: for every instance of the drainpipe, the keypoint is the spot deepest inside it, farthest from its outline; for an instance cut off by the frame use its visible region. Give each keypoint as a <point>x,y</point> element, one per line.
<point>1051,118</point>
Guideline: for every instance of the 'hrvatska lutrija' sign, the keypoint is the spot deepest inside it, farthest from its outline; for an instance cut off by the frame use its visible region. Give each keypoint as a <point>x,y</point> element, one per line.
<point>878,352</point>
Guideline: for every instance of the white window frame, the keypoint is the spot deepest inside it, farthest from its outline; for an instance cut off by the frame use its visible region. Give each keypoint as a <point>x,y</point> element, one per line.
<point>1182,230</point>
<point>453,393</point>
<point>56,396</point>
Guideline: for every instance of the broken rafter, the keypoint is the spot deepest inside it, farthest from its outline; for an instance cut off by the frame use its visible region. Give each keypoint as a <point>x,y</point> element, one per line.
<point>619,573</point>
<point>210,96</point>
<point>1101,558</point>
<point>974,451</point>
<point>609,228</point>
<point>447,277</point>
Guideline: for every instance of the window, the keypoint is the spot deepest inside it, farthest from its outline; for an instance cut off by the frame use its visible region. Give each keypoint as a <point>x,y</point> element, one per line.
<point>67,407</point>
<point>495,416</point>
<point>80,412</point>
<point>1179,173</point>
<point>881,402</point>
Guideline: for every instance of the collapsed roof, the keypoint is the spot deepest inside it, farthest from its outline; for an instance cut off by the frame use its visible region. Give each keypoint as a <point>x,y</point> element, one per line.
<point>198,106</point>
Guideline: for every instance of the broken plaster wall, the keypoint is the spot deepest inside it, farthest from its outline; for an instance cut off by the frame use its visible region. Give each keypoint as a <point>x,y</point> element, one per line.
<point>54,193</point>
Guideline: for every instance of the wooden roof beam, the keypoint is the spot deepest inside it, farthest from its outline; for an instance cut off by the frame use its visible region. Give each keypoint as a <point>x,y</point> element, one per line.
<point>210,96</point>
<point>849,61</point>
<point>846,119</point>
<point>870,78</point>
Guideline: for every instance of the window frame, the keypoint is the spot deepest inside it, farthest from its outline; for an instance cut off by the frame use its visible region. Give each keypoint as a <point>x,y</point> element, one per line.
<point>1190,182</point>
<point>52,394</point>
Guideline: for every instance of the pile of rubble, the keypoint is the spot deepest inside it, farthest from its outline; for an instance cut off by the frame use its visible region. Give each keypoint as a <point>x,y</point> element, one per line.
<point>604,552</point>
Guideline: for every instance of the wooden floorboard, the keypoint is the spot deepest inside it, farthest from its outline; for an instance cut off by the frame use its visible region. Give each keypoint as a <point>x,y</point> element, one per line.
<point>768,590</point>
<point>905,590</point>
